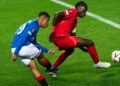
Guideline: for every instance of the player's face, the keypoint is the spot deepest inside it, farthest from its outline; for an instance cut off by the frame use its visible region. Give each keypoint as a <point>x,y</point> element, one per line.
<point>43,21</point>
<point>81,11</point>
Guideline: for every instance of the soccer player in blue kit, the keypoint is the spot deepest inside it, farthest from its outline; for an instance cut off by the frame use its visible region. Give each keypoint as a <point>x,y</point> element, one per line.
<point>25,47</point>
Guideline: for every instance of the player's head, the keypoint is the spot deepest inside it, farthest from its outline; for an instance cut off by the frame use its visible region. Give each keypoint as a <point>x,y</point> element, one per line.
<point>43,19</point>
<point>81,8</point>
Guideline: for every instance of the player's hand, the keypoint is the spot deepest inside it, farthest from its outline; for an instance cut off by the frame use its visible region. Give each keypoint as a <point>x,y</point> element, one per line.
<point>14,58</point>
<point>51,52</point>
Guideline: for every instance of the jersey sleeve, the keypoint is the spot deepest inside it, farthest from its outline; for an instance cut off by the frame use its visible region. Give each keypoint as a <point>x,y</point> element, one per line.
<point>41,47</point>
<point>24,35</point>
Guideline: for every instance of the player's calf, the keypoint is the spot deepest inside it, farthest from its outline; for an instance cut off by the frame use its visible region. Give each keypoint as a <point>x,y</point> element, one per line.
<point>93,52</point>
<point>63,57</point>
<point>32,65</point>
<point>42,81</point>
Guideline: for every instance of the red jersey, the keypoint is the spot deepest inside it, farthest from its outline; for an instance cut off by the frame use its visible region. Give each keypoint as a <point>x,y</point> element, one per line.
<point>67,24</point>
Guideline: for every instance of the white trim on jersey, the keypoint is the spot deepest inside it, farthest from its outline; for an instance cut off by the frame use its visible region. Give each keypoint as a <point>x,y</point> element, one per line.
<point>29,33</point>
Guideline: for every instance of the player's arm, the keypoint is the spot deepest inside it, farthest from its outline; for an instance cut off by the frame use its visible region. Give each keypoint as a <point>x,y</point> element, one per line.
<point>39,46</point>
<point>57,18</point>
<point>43,48</point>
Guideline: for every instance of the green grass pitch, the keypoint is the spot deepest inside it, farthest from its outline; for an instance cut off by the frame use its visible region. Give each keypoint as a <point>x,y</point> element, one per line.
<point>77,70</point>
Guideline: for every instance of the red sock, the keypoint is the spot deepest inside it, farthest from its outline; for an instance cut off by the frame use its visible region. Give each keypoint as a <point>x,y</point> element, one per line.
<point>40,78</point>
<point>42,81</point>
<point>92,51</point>
<point>60,59</point>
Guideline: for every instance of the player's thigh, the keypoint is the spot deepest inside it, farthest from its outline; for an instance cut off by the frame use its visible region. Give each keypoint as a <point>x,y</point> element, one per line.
<point>70,42</point>
<point>66,42</point>
<point>41,56</point>
<point>32,65</point>
<point>42,59</point>
<point>84,42</point>
<point>29,51</point>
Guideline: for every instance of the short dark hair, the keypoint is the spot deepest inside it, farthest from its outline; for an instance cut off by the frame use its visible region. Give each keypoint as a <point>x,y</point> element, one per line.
<point>44,14</point>
<point>81,3</point>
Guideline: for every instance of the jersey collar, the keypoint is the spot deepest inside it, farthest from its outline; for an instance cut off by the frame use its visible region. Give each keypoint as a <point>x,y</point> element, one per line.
<point>37,25</point>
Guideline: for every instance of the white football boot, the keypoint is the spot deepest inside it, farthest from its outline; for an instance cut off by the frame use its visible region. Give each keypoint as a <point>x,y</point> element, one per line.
<point>102,65</point>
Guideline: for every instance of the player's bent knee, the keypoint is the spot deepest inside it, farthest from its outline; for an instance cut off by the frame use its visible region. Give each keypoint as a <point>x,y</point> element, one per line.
<point>90,42</point>
<point>33,66</point>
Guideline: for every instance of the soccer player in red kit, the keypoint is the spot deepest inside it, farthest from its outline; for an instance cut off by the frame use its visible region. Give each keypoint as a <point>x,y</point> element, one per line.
<point>63,24</point>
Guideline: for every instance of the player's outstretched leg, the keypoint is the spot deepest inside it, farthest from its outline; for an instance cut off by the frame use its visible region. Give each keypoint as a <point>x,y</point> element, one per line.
<point>61,59</point>
<point>92,51</point>
<point>46,63</point>
<point>63,56</point>
<point>39,77</point>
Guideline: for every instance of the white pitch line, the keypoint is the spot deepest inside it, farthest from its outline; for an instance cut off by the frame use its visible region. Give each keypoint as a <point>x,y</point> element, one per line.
<point>109,22</point>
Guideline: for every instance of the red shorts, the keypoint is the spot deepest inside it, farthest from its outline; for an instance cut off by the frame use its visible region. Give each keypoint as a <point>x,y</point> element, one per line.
<point>65,42</point>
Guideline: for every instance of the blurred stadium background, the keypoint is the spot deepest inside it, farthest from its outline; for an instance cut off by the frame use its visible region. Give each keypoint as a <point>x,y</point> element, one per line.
<point>77,70</point>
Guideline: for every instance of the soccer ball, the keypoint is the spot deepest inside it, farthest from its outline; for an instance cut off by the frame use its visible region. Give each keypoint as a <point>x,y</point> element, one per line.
<point>116,56</point>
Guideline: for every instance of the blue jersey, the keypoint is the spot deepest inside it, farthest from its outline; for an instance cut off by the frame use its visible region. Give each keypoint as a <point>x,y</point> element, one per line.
<point>25,35</point>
